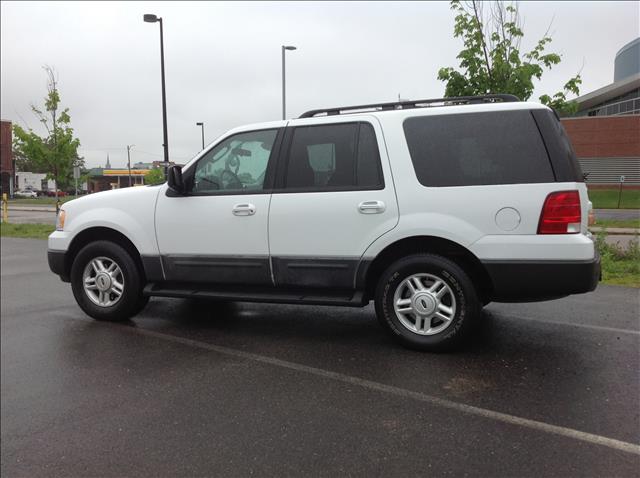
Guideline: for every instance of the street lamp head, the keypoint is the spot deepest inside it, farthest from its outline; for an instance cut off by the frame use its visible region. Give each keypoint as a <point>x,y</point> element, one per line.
<point>199,124</point>
<point>289,47</point>
<point>150,18</point>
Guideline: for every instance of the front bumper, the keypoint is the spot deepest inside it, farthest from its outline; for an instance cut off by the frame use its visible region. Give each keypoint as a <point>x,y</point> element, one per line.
<point>57,264</point>
<point>528,281</point>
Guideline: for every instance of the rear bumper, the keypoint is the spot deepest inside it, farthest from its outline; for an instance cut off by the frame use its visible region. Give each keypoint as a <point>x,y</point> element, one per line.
<point>57,263</point>
<point>528,281</point>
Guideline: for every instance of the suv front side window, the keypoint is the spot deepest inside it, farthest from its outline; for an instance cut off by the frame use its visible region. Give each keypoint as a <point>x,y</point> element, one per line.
<point>237,164</point>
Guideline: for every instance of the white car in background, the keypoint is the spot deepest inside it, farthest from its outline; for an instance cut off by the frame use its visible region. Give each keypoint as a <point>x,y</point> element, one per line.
<point>28,193</point>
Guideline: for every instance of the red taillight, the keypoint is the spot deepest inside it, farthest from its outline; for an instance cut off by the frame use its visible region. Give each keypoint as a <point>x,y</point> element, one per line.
<point>561,213</point>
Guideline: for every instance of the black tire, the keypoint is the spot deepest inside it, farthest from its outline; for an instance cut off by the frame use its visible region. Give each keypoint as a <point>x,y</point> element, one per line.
<point>130,302</point>
<point>467,304</point>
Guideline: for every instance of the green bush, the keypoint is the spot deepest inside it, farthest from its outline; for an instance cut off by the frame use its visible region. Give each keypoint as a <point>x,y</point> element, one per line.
<point>620,265</point>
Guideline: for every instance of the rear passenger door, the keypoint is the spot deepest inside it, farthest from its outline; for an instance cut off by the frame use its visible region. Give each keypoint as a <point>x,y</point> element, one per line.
<point>333,196</point>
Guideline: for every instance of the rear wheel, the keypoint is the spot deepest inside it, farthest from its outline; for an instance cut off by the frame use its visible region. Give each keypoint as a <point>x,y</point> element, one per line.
<point>106,282</point>
<point>427,302</point>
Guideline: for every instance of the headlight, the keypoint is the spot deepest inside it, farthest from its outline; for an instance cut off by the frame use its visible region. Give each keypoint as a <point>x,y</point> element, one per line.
<point>60,220</point>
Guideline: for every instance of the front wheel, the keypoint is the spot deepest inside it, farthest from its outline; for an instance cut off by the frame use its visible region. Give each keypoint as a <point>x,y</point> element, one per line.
<point>427,302</point>
<point>106,282</point>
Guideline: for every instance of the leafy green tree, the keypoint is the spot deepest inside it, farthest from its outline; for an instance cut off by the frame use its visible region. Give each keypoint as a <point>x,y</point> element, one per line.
<point>56,153</point>
<point>491,61</point>
<point>24,163</point>
<point>154,176</point>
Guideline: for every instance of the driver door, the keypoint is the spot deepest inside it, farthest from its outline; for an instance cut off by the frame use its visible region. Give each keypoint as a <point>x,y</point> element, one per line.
<point>217,232</point>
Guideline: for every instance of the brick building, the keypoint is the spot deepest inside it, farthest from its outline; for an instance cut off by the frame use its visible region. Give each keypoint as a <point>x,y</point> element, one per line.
<point>605,131</point>
<point>7,165</point>
<point>607,146</point>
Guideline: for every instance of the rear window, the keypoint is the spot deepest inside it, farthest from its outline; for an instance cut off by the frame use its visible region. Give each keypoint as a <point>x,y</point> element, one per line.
<point>501,147</point>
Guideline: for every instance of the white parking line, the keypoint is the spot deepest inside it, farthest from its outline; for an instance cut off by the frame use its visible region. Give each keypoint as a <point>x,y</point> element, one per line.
<point>570,324</point>
<point>380,387</point>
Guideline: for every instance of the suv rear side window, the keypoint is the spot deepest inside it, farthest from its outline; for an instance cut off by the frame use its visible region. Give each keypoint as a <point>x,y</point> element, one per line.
<point>334,157</point>
<point>501,147</point>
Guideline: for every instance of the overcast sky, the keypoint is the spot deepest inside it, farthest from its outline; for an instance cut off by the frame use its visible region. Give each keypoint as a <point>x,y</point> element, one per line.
<point>223,62</point>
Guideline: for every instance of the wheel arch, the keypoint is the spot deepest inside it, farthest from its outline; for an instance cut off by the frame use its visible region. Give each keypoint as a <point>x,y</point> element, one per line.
<point>101,233</point>
<point>434,245</point>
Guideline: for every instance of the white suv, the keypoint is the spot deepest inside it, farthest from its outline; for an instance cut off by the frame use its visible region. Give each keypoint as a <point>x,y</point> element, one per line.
<point>430,208</point>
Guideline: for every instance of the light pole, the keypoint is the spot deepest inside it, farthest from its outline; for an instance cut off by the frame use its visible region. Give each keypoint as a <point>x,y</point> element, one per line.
<point>284,91</point>
<point>129,146</point>
<point>151,18</point>
<point>202,127</point>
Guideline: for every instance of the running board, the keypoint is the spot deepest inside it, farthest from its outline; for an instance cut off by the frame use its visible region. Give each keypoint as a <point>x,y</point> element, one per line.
<point>243,293</point>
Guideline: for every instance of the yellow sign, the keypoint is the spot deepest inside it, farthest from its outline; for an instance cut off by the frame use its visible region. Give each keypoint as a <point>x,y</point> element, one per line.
<point>125,172</point>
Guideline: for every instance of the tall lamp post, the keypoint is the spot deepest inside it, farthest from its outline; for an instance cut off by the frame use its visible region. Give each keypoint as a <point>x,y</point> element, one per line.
<point>151,18</point>
<point>202,127</point>
<point>284,91</point>
<point>129,146</point>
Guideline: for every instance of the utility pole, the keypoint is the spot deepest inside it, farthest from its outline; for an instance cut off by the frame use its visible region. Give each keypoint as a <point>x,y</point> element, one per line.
<point>129,146</point>
<point>284,80</point>
<point>150,18</point>
<point>76,175</point>
<point>201,124</point>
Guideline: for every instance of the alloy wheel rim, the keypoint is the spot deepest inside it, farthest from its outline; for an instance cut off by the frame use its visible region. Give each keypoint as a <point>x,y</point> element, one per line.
<point>103,281</point>
<point>424,304</point>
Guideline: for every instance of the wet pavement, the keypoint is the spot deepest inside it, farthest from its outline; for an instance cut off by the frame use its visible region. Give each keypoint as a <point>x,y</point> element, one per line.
<point>202,388</point>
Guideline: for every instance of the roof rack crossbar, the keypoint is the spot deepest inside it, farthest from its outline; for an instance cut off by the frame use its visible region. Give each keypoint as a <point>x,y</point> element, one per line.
<point>401,105</point>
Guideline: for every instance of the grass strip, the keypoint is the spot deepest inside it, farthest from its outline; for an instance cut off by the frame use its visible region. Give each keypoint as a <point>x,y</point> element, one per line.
<point>29,231</point>
<point>608,198</point>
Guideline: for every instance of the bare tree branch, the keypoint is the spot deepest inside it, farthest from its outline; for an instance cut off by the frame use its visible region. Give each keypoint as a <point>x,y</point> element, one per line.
<point>482,39</point>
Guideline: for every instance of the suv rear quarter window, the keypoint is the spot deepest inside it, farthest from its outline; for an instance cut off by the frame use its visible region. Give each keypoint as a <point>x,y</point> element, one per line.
<point>501,147</point>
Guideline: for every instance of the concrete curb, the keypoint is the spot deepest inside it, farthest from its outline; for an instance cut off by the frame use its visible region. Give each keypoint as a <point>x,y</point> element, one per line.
<point>619,210</point>
<point>33,208</point>
<point>617,231</point>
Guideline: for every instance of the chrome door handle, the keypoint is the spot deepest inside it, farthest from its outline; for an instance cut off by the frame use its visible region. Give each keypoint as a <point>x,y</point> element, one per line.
<point>244,209</point>
<point>371,207</point>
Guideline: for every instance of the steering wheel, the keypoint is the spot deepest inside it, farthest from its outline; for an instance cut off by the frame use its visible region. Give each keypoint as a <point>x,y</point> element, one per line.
<point>210,182</point>
<point>232,164</point>
<point>233,183</point>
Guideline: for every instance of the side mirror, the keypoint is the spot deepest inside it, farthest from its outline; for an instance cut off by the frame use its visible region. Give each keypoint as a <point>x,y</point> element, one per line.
<point>174,179</point>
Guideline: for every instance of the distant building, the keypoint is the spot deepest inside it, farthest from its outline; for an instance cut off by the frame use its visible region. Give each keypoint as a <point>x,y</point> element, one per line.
<point>34,181</point>
<point>102,179</point>
<point>160,164</point>
<point>605,131</point>
<point>622,97</point>
<point>105,179</point>
<point>7,164</point>
<point>141,165</point>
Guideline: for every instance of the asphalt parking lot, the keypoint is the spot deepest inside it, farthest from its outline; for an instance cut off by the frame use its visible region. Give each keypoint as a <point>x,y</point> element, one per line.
<point>200,388</point>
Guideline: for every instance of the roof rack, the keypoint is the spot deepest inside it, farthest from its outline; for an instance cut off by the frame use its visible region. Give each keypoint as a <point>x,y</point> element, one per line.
<point>401,105</point>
